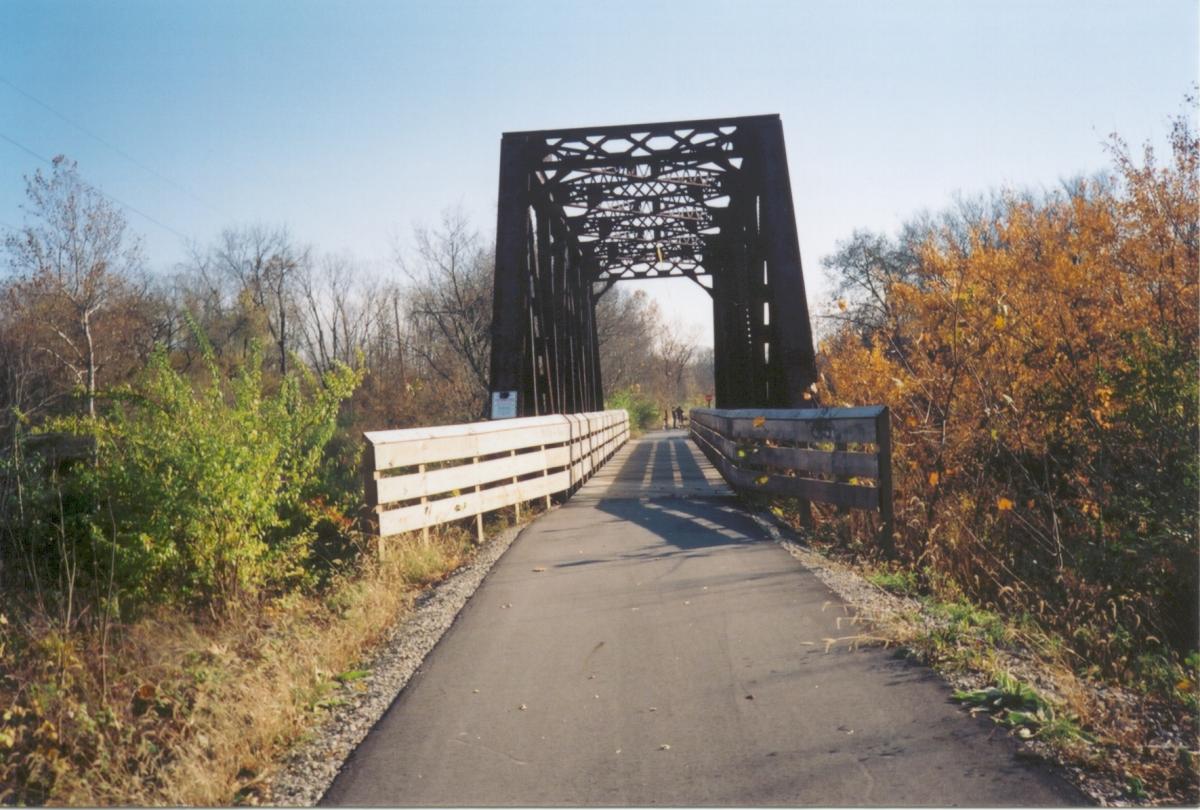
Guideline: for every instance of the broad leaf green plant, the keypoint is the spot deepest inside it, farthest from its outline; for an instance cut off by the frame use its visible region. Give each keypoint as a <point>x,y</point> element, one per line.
<point>203,488</point>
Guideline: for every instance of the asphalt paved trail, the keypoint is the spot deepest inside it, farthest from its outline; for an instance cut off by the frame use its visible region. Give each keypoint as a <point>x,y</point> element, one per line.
<point>669,653</point>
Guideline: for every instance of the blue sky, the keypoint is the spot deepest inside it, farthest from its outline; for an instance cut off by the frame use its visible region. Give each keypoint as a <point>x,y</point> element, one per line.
<point>349,122</point>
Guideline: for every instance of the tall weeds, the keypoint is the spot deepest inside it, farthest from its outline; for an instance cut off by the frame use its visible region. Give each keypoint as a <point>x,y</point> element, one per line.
<point>192,711</point>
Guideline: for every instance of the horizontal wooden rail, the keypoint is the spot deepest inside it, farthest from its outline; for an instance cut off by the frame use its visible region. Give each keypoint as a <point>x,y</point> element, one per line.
<point>421,477</point>
<point>819,454</point>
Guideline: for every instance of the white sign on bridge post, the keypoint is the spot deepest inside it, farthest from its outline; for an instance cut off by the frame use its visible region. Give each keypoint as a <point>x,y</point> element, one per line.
<point>504,404</point>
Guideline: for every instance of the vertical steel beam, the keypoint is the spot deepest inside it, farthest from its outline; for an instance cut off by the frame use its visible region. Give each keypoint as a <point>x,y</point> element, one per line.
<point>718,261</point>
<point>511,364</point>
<point>793,363</point>
<point>595,375</point>
<point>548,401</point>
<point>533,378</point>
<point>575,332</point>
<point>739,349</point>
<point>558,278</point>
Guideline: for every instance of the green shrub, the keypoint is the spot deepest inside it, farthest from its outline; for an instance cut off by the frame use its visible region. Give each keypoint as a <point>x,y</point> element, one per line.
<point>899,581</point>
<point>203,492</point>
<point>643,412</point>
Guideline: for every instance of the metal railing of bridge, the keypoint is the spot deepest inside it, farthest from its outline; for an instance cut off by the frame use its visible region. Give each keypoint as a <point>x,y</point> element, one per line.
<point>421,477</point>
<point>841,456</point>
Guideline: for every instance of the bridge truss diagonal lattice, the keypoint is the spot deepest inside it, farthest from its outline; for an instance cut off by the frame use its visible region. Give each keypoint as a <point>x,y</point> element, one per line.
<point>581,209</point>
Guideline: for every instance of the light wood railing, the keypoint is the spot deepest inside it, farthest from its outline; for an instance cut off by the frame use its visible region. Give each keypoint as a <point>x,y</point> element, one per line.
<point>420,477</point>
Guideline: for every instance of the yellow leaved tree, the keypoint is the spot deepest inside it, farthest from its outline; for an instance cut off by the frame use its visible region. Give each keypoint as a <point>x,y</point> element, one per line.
<point>1039,354</point>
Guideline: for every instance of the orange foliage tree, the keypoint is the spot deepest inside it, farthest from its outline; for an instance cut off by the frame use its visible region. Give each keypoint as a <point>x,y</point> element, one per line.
<point>1039,355</point>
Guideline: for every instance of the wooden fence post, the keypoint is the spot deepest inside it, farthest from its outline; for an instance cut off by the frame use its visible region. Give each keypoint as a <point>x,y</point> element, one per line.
<point>517,505</point>
<point>369,522</point>
<point>883,446</point>
<point>424,502</point>
<point>478,515</point>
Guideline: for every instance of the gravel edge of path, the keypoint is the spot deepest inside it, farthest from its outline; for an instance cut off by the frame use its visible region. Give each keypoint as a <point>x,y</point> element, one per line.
<point>306,772</point>
<point>875,605</point>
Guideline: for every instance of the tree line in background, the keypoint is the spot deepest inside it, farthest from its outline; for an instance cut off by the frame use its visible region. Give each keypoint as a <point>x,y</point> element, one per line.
<point>216,405</point>
<point>83,314</point>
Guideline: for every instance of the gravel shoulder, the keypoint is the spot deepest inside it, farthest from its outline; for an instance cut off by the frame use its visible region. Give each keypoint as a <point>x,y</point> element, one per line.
<point>878,609</point>
<point>306,773</point>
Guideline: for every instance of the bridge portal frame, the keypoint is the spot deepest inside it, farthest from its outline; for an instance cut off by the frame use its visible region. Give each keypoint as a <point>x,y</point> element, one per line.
<point>581,209</point>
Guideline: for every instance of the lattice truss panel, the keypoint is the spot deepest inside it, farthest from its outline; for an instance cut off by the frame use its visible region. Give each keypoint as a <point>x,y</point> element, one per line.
<point>644,203</point>
<point>581,209</point>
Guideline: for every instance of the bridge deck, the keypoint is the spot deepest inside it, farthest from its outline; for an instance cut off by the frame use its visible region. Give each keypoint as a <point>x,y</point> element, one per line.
<point>635,647</point>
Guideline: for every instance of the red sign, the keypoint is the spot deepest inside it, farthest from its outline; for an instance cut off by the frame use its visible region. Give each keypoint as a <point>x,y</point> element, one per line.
<point>708,399</point>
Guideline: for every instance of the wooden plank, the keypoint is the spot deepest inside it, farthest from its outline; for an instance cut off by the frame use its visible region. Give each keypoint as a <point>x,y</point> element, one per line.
<point>856,497</point>
<point>469,428</point>
<point>788,430</point>
<point>797,414</point>
<point>611,445</point>
<point>409,518</point>
<point>846,464</point>
<point>406,452</point>
<point>710,452</point>
<point>862,465</point>
<point>557,457</point>
<point>718,442</point>
<point>886,508</point>
<point>748,425</point>
<point>435,482</point>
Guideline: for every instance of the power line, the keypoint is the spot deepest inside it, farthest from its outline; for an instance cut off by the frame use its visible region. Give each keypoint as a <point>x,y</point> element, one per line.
<point>101,191</point>
<point>112,146</point>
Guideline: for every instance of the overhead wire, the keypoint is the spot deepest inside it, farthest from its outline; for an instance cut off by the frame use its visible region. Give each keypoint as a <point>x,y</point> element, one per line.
<point>101,191</point>
<point>158,175</point>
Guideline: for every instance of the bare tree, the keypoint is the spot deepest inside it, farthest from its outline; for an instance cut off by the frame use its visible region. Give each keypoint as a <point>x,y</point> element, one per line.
<point>862,271</point>
<point>626,325</point>
<point>450,305</point>
<point>74,277</point>
<point>675,347</point>
<point>336,316</point>
<point>702,373</point>
<point>265,265</point>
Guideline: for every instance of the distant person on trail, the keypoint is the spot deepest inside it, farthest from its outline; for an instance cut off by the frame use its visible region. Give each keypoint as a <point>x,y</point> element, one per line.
<point>675,417</point>
<point>664,418</point>
<point>679,416</point>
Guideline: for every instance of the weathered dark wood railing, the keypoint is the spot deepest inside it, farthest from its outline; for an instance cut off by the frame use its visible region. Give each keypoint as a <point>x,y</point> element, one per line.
<point>820,454</point>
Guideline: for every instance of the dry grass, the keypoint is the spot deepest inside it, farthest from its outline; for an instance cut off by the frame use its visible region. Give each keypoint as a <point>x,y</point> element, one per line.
<point>1123,744</point>
<point>187,711</point>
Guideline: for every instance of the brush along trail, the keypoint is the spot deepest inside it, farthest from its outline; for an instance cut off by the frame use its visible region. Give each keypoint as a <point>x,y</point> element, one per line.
<point>648,644</point>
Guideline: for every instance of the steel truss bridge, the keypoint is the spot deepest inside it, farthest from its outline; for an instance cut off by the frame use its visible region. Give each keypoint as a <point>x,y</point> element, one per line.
<point>581,209</point>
